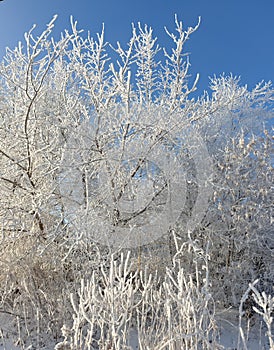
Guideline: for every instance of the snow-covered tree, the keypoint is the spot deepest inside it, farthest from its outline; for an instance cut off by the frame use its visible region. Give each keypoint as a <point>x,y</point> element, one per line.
<point>103,148</point>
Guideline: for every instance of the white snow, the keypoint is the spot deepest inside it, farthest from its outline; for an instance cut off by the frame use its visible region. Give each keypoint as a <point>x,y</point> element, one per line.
<point>228,339</point>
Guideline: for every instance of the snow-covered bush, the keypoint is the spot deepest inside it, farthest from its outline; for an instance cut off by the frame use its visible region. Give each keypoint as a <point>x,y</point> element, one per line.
<point>239,220</point>
<point>176,312</point>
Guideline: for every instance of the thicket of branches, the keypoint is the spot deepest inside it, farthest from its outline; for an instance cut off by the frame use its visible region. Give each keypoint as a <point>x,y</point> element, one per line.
<point>103,149</point>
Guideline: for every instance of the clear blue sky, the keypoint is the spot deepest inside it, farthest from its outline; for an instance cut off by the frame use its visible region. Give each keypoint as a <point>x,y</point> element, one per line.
<point>235,36</point>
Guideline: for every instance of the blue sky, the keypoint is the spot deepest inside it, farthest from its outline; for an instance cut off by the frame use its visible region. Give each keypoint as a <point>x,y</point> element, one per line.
<point>235,36</point>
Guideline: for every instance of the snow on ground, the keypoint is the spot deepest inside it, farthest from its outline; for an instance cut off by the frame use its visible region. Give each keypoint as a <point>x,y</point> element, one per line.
<point>254,331</point>
<point>227,324</point>
<point>8,345</point>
